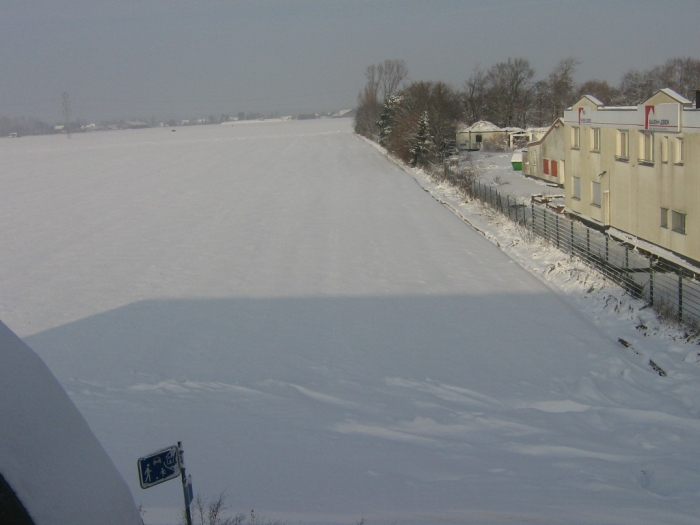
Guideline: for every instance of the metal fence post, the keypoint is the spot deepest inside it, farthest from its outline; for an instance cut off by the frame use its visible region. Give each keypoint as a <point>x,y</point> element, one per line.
<point>607,249</point>
<point>572,236</point>
<point>680,296</point>
<point>588,241</point>
<point>544,223</point>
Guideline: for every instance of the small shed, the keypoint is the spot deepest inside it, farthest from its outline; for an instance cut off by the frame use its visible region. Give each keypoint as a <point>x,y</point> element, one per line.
<point>472,138</point>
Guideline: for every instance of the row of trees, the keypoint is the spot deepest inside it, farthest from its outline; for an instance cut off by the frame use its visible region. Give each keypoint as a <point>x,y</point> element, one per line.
<point>23,126</point>
<point>417,122</point>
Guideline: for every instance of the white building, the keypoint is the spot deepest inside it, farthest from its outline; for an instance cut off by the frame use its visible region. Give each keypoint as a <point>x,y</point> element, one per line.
<point>472,138</point>
<point>637,169</point>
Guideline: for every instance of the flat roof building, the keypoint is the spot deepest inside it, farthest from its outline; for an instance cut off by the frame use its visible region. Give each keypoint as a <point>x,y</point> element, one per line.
<point>637,168</point>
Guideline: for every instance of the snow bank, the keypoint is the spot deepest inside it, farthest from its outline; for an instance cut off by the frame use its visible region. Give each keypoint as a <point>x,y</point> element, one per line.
<point>48,454</point>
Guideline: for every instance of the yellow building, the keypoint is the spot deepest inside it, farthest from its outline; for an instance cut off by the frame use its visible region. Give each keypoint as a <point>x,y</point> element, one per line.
<point>545,158</point>
<point>636,169</point>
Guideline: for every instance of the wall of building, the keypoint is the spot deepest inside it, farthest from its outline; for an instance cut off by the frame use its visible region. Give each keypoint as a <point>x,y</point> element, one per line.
<point>546,158</point>
<point>627,187</point>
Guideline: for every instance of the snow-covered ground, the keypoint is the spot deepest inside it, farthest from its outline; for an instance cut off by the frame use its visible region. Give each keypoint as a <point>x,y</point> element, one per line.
<point>329,341</point>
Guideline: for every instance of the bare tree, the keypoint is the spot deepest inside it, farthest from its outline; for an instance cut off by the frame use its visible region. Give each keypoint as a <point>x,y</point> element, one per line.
<point>367,113</point>
<point>205,512</point>
<point>539,113</point>
<point>600,89</point>
<point>474,96</point>
<point>561,88</point>
<point>382,81</point>
<point>391,73</point>
<point>680,74</point>
<point>510,91</point>
<point>635,87</point>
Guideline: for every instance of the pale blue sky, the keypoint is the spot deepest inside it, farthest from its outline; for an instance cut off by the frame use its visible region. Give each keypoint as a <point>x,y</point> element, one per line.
<point>137,58</point>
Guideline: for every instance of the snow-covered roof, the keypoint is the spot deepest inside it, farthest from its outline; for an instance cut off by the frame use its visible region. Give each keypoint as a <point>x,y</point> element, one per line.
<point>595,100</point>
<point>481,125</point>
<point>675,96</point>
<point>48,455</point>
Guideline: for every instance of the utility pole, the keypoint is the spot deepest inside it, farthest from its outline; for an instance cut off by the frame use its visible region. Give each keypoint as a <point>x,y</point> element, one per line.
<point>66,112</point>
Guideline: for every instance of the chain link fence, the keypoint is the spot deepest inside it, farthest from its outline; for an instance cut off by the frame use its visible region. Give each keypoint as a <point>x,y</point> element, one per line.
<point>672,289</point>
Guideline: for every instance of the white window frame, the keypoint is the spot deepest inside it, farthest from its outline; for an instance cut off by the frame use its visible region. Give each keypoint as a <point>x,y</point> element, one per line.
<point>678,221</point>
<point>576,188</point>
<point>596,194</point>
<point>680,153</point>
<point>575,137</point>
<point>623,144</point>
<point>664,149</point>
<point>595,139</point>
<point>646,147</point>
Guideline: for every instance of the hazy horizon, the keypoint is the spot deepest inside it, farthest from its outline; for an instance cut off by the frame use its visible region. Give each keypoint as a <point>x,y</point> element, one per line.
<point>176,59</point>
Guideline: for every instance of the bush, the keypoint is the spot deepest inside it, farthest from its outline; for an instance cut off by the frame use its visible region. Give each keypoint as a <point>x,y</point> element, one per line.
<point>214,512</point>
<point>496,144</point>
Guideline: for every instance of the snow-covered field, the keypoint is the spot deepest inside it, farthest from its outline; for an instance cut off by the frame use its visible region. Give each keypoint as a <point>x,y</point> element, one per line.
<point>329,341</point>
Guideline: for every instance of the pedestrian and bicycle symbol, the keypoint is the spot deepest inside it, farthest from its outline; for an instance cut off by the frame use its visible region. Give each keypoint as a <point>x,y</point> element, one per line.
<point>164,465</point>
<point>158,467</point>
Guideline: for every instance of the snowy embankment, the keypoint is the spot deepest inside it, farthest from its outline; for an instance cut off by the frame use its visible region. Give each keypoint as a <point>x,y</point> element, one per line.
<point>328,341</point>
<point>604,301</point>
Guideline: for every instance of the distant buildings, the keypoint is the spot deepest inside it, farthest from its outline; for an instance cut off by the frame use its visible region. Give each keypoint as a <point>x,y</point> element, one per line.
<point>483,135</point>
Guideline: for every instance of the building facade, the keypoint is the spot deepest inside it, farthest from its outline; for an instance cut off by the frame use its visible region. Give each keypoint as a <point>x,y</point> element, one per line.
<point>637,169</point>
<point>545,158</point>
<point>472,138</point>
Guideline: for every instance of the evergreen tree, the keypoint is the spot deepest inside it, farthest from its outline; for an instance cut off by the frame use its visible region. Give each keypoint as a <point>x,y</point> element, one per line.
<point>421,140</point>
<point>387,118</point>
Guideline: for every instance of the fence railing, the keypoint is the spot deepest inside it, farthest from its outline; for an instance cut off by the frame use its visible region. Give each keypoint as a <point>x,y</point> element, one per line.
<point>673,290</point>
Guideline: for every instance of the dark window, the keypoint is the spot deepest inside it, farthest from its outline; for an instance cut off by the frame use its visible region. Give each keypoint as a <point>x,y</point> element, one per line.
<point>678,222</point>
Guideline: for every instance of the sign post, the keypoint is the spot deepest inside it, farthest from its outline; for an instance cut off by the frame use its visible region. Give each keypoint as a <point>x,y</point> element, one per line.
<point>186,484</point>
<point>164,465</point>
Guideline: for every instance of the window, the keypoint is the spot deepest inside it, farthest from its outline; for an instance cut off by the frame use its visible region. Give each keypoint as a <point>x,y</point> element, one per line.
<point>664,218</point>
<point>545,166</point>
<point>554,168</point>
<point>679,151</point>
<point>577,188</point>
<point>678,222</point>
<point>575,138</point>
<point>664,149</point>
<point>534,164</point>
<point>479,139</point>
<point>623,144</point>
<point>646,147</point>
<point>595,139</point>
<point>596,199</point>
